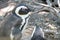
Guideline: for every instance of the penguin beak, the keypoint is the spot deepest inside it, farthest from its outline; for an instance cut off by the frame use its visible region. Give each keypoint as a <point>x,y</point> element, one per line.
<point>30,13</point>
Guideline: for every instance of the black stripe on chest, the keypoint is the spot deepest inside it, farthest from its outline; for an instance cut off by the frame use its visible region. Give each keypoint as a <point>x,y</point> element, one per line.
<point>24,23</point>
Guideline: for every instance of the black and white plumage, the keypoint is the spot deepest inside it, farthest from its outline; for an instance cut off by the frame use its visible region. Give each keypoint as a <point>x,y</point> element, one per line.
<point>16,21</point>
<point>37,34</point>
<point>22,12</point>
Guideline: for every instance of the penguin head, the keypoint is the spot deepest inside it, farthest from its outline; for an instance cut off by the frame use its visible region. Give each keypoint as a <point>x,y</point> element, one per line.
<point>22,10</point>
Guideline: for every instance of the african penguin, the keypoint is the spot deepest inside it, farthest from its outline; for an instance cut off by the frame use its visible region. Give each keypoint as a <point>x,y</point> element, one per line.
<point>14,23</point>
<point>21,12</point>
<point>38,34</point>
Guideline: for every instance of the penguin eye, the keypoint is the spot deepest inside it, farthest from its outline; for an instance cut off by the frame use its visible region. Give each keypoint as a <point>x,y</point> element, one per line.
<point>23,11</point>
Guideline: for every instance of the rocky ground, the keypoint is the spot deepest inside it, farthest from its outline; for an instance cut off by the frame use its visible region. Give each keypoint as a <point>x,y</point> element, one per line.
<point>44,16</point>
